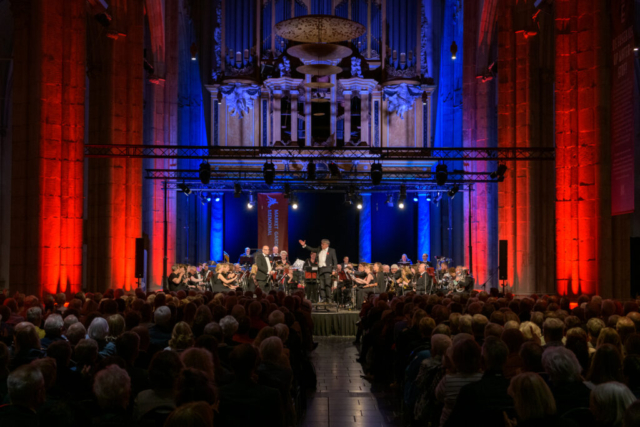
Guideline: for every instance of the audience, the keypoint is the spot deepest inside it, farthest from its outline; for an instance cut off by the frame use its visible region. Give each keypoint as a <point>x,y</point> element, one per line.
<point>203,359</point>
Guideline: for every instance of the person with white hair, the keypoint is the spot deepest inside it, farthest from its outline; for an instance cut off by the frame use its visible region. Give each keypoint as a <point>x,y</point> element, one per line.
<point>98,331</point>
<point>229,326</point>
<point>276,317</point>
<point>26,391</point>
<point>608,403</point>
<point>567,387</point>
<point>52,330</point>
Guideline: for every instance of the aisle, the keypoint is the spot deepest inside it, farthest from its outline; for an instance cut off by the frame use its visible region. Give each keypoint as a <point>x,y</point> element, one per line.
<point>343,398</point>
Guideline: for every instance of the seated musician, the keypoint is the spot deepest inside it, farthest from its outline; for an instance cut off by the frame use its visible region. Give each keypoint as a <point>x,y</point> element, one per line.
<point>206,275</point>
<point>364,285</point>
<point>285,274</point>
<point>252,282</point>
<point>193,277</point>
<point>404,260</point>
<point>339,289</point>
<point>176,277</point>
<point>226,278</point>
<point>405,280</point>
<point>246,253</point>
<point>395,271</point>
<point>444,269</point>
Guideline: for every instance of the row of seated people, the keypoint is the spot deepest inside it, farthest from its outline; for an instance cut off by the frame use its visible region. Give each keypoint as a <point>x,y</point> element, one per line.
<point>152,359</point>
<point>495,360</point>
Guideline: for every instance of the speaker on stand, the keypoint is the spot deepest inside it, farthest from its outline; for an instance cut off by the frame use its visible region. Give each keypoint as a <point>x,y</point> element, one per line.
<point>503,262</point>
<point>139,259</point>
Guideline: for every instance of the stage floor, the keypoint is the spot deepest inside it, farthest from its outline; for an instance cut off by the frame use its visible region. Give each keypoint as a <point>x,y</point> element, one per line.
<point>341,323</point>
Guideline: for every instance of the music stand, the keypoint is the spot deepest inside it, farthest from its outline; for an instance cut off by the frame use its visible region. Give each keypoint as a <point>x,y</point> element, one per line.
<point>247,260</point>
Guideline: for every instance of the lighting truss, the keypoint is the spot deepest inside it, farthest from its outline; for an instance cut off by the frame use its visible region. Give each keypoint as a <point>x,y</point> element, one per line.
<point>346,177</point>
<point>318,153</point>
<point>261,187</point>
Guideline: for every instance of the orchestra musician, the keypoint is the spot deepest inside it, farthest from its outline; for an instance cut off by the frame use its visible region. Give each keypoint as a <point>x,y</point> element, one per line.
<point>176,277</point>
<point>263,275</point>
<point>311,285</point>
<point>227,278</point>
<point>327,260</point>
<point>381,281</point>
<point>206,275</point>
<point>404,260</point>
<point>252,282</point>
<point>365,285</point>
<point>247,252</point>
<point>425,259</point>
<point>423,282</point>
<point>341,291</point>
<point>275,253</point>
<point>345,263</point>
<point>193,277</point>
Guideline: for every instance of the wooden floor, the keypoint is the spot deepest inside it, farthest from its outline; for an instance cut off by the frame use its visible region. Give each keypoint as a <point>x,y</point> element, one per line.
<point>343,397</point>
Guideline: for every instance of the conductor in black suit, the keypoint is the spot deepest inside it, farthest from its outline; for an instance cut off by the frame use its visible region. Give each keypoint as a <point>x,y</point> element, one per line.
<point>264,268</point>
<point>327,261</point>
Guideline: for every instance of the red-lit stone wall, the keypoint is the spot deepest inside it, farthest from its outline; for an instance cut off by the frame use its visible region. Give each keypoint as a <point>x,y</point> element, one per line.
<point>48,136</point>
<point>115,117</point>
<point>525,105</point>
<point>579,161</point>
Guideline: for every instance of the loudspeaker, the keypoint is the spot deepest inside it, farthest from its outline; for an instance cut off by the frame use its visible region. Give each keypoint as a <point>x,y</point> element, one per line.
<point>139,258</point>
<point>635,267</point>
<point>503,259</point>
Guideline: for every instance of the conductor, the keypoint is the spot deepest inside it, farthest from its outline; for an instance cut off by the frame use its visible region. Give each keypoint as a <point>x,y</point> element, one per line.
<point>327,261</point>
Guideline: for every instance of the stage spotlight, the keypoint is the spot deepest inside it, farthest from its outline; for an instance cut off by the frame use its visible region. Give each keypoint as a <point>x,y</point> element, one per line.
<point>184,188</point>
<point>269,172</point>
<point>194,51</point>
<point>250,202</point>
<point>499,173</point>
<point>237,190</point>
<point>311,171</point>
<point>441,174</point>
<point>359,202</point>
<point>454,50</point>
<point>217,198</point>
<point>402,198</point>
<point>335,171</point>
<point>205,172</point>
<point>453,191</point>
<point>376,173</point>
<point>348,197</point>
<point>293,201</point>
<point>204,200</point>
<point>287,190</point>
<point>428,197</point>
<point>415,199</point>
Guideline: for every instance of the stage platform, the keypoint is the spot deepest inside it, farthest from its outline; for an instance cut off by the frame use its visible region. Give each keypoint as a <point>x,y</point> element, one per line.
<point>335,323</point>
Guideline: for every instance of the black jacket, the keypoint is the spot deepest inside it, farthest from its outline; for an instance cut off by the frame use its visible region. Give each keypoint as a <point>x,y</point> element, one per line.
<point>263,268</point>
<point>381,282</point>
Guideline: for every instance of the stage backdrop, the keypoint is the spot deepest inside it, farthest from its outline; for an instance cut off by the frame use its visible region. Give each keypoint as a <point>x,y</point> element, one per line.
<point>622,114</point>
<point>273,220</point>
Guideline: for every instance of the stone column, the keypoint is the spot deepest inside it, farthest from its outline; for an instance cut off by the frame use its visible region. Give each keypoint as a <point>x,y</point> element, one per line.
<point>47,174</point>
<point>161,120</point>
<point>364,234</point>
<point>364,116</point>
<point>424,225</point>
<point>277,115</point>
<point>115,117</point>
<point>293,94</point>
<point>347,115</point>
<point>376,122</point>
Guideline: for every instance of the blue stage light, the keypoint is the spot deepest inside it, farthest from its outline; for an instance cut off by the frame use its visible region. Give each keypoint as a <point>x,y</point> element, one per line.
<point>415,199</point>
<point>217,199</point>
